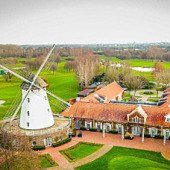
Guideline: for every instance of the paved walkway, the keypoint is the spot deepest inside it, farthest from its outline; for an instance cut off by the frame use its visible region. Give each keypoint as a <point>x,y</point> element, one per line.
<point>93,156</point>
<point>115,140</point>
<point>109,141</point>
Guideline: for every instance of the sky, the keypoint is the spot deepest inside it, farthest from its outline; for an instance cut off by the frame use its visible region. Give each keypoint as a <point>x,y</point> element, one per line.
<point>84,21</point>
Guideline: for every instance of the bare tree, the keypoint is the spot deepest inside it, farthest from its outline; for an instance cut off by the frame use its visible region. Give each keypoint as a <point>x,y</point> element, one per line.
<point>163,78</point>
<point>16,153</point>
<point>87,66</point>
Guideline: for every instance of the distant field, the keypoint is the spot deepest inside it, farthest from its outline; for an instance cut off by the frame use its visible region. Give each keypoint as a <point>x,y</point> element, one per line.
<point>136,62</point>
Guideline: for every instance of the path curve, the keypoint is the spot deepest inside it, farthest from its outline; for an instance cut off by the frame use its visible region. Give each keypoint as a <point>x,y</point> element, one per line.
<point>103,150</point>
<point>166,154</point>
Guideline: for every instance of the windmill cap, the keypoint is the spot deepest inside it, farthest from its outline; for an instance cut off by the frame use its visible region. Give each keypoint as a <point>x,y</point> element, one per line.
<point>39,81</point>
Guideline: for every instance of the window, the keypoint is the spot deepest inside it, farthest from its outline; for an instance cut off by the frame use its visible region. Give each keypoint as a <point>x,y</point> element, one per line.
<point>34,143</point>
<point>45,97</point>
<point>48,110</point>
<point>168,119</point>
<point>28,113</point>
<point>28,99</point>
<point>28,124</point>
<point>136,120</point>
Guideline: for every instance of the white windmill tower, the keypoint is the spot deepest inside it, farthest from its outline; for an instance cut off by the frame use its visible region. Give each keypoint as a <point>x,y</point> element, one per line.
<point>35,108</point>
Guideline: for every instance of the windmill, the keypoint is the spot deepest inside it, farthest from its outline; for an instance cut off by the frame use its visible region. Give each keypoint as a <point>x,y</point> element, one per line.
<point>35,109</point>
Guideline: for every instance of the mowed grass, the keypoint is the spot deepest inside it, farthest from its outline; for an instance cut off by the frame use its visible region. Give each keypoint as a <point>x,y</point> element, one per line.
<point>136,62</point>
<point>119,158</point>
<point>61,83</point>
<point>47,161</point>
<point>80,150</point>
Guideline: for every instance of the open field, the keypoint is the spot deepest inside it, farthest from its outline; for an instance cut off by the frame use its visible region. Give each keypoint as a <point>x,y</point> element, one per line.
<point>136,62</point>
<point>120,158</point>
<point>80,151</point>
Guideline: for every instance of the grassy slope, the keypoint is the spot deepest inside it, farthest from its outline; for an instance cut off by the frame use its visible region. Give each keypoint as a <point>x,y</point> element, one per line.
<point>120,158</point>
<point>80,151</point>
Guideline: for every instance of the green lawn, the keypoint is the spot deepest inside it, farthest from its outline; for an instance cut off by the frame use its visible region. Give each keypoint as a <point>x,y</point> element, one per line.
<point>80,151</point>
<point>136,62</point>
<point>119,158</point>
<point>47,161</point>
<point>61,83</point>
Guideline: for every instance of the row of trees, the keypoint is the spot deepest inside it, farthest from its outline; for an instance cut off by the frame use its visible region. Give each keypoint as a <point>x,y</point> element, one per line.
<point>152,53</point>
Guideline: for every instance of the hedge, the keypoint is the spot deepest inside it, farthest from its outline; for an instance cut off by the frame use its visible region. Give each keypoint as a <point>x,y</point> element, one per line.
<point>113,131</point>
<point>36,148</point>
<point>158,137</point>
<point>83,128</point>
<point>93,129</point>
<point>61,142</point>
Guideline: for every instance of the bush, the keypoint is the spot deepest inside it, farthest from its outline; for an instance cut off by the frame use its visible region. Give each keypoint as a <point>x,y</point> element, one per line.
<point>73,133</point>
<point>36,148</point>
<point>83,128</point>
<point>93,129</point>
<point>146,135</point>
<point>113,131</point>
<point>158,137</point>
<point>61,142</point>
<point>148,92</point>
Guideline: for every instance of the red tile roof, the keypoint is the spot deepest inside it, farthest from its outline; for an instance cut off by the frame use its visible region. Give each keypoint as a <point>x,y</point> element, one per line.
<point>116,112</point>
<point>85,92</point>
<point>110,91</point>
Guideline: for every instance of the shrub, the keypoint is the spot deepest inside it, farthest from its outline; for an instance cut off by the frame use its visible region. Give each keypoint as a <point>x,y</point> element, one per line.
<point>158,137</point>
<point>93,129</point>
<point>113,131</point>
<point>61,142</point>
<point>148,92</point>
<point>83,128</point>
<point>36,148</point>
<point>146,135</point>
<point>74,133</point>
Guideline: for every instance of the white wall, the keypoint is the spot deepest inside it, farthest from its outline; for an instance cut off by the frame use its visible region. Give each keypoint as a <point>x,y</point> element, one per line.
<point>40,114</point>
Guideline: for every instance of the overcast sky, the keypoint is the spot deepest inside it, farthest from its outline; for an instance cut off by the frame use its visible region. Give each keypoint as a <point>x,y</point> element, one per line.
<point>84,21</point>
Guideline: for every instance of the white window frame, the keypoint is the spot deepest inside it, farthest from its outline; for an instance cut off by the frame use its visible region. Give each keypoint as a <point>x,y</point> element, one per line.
<point>88,124</point>
<point>154,130</point>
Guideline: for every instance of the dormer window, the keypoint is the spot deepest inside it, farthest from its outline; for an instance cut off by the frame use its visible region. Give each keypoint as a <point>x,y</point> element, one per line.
<point>136,120</point>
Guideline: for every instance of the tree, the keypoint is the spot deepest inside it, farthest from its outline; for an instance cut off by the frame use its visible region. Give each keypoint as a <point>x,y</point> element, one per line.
<point>8,76</point>
<point>158,67</point>
<point>53,68</point>
<point>87,66</point>
<point>163,78</point>
<point>133,83</point>
<point>16,153</point>
<point>112,74</point>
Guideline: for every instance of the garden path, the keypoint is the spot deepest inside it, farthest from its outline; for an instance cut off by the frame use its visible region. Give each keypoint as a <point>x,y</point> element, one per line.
<point>109,141</point>
<point>93,156</point>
